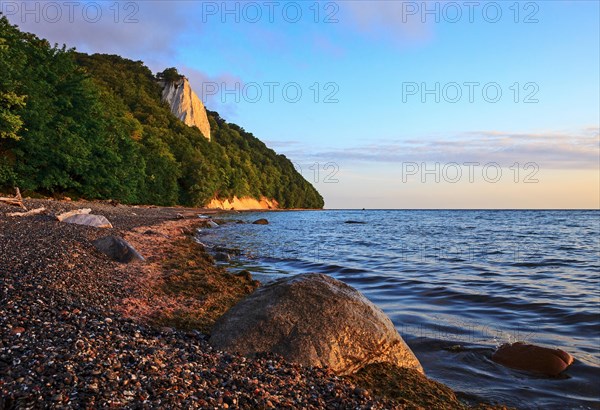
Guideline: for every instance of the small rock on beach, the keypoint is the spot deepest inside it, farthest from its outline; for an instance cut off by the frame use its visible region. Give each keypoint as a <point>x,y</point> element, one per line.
<point>97,221</point>
<point>118,249</point>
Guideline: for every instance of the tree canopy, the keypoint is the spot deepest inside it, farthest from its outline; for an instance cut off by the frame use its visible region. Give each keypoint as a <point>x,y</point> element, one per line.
<point>95,126</point>
<point>170,75</point>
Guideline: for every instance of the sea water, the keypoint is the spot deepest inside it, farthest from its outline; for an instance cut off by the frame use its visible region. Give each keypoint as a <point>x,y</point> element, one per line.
<point>456,284</point>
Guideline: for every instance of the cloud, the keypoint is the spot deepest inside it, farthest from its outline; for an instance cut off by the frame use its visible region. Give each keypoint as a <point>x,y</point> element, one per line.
<point>327,46</point>
<point>399,21</point>
<point>552,150</point>
<point>212,90</point>
<point>136,29</point>
<point>151,31</point>
<point>282,144</point>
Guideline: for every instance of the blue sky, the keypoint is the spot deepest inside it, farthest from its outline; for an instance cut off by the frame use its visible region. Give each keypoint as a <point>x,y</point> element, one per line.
<point>370,60</point>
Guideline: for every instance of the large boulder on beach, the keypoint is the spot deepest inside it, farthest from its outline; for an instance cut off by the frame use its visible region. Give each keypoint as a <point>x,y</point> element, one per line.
<point>97,221</point>
<point>314,320</point>
<point>532,358</point>
<point>118,249</point>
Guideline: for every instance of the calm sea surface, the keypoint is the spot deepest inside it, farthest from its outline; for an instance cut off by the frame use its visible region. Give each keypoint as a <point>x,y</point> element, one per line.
<point>471,278</point>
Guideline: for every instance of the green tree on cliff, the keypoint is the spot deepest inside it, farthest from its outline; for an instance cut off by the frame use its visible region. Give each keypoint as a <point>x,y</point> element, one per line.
<point>95,126</point>
<point>170,75</point>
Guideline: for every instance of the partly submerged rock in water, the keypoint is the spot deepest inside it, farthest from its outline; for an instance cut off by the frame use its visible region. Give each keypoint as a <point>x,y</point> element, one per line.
<point>117,249</point>
<point>534,359</point>
<point>97,221</point>
<point>314,320</point>
<point>208,223</point>
<point>222,257</point>
<point>261,222</point>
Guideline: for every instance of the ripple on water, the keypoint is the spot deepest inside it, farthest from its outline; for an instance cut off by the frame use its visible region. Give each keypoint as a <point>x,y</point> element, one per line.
<point>470,278</point>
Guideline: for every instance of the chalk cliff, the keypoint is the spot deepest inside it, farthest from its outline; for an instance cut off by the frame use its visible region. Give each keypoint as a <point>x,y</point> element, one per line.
<point>243,204</point>
<point>185,104</point>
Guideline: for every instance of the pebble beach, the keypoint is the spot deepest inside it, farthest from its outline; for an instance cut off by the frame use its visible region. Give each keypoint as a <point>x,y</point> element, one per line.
<point>69,338</point>
<point>62,345</point>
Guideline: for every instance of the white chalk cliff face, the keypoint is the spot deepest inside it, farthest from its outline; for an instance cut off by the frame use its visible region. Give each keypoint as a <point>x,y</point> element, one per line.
<point>186,105</point>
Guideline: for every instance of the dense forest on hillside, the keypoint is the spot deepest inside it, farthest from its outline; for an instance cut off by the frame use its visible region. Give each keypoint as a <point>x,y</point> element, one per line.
<point>94,126</point>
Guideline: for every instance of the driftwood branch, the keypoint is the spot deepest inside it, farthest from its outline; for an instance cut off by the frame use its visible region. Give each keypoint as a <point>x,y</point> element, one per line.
<point>28,213</point>
<point>16,201</point>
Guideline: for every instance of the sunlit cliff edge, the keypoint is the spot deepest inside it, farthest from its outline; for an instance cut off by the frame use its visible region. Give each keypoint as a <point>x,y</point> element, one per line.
<point>185,104</point>
<point>243,204</point>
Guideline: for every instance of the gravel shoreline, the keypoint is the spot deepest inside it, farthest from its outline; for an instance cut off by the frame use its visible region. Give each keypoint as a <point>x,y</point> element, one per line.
<point>63,345</point>
<point>78,330</point>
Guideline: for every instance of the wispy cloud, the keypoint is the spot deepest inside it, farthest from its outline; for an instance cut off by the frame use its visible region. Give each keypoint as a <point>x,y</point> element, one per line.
<point>210,89</point>
<point>283,144</point>
<point>147,30</point>
<point>553,150</point>
<point>327,46</point>
<point>386,19</point>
